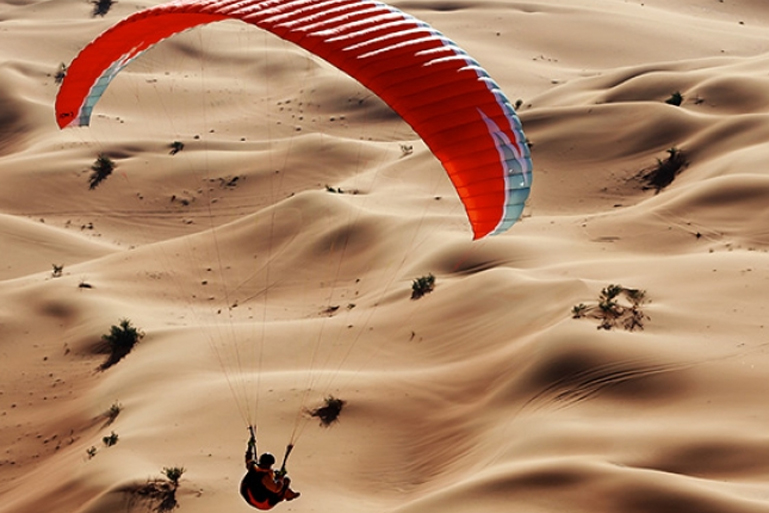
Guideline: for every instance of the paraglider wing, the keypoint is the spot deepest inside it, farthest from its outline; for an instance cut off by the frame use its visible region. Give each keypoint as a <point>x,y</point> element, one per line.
<point>447,97</point>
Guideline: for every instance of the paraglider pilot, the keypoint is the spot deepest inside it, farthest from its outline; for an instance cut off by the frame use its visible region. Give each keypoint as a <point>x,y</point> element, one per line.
<point>262,487</point>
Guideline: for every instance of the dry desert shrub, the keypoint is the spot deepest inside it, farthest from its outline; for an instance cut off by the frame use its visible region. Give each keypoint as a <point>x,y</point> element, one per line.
<point>119,341</point>
<point>617,306</point>
<point>329,412</point>
<point>422,286</point>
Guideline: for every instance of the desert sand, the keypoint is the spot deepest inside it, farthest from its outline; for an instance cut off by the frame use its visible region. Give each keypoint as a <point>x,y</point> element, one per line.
<point>269,265</point>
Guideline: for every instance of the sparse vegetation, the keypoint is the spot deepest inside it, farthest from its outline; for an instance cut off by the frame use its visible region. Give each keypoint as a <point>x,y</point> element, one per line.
<point>329,412</point>
<point>422,286</point>
<point>101,7</point>
<point>663,174</point>
<point>113,411</point>
<point>330,310</point>
<point>100,170</point>
<point>176,147</point>
<point>91,452</point>
<point>159,494</point>
<point>229,181</point>
<point>675,99</point>
<point>110,439</point>
<point>406,149</point>
<point>617,306</point>
<point>60,74</point>
<point>173,474</point>
<point>120,340</point>
<point>339,190</point>
<point>334,190</point>
<point>57,270</point>
<point>579,311</point>
<point>182,201</point>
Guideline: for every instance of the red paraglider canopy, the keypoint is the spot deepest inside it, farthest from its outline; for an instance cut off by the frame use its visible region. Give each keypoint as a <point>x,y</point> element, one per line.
<point>447,98</point>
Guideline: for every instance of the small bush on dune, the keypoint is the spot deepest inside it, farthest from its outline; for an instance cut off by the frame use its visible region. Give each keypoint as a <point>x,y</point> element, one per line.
<point>422,286</point>
<point>159,494</point>
<point>579,311</point>
<point>665,171</point>
<point>100,170</point>
<point>60,74</point>
<point>173,474</point>
<point>617,306</point>
<point>329,412</point>
<point>101,7</point>
<point>110,439</point>
<point>675,99</point>
<point>176,147</point>
<point>113,411</point>
<point>120,340</point>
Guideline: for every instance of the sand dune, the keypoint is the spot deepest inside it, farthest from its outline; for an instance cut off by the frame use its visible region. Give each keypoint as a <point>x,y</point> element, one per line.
<point>269,264</point>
